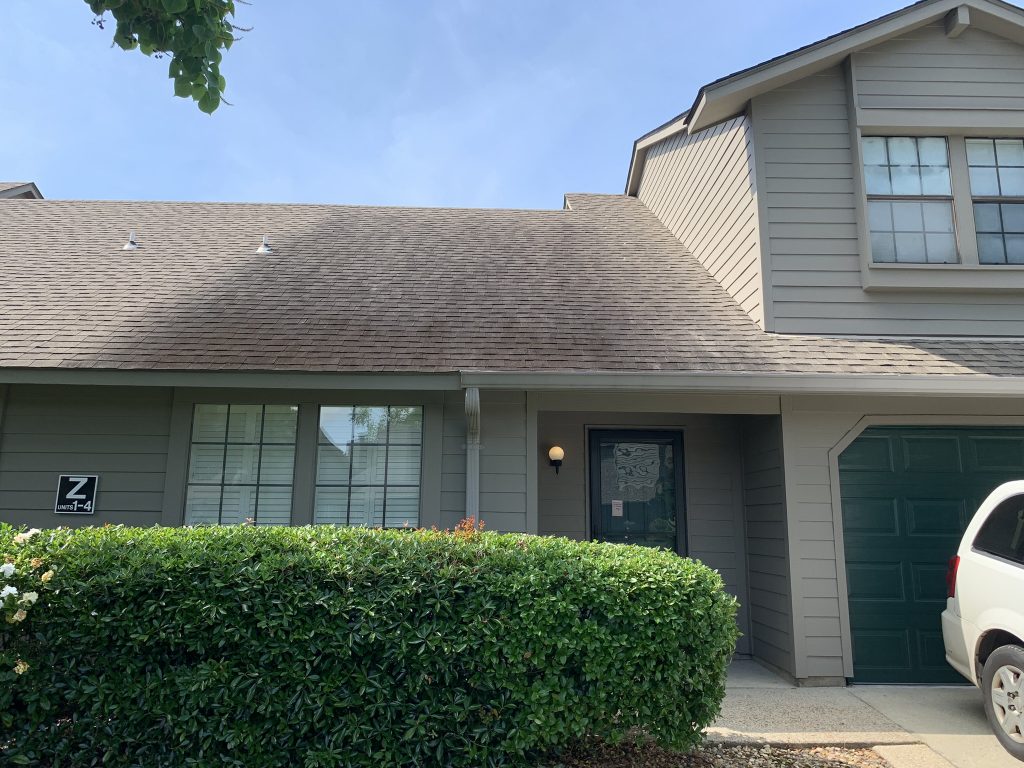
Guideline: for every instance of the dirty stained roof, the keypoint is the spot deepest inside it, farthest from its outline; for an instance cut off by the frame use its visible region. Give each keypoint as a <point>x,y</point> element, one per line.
<point>600,286</point>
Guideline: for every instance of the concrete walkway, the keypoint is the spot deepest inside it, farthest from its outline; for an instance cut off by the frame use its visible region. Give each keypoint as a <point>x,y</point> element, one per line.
<point>910,726</point>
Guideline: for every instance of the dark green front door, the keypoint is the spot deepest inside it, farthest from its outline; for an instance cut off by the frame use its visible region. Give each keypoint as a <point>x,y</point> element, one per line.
<point>636,488</point>
<point>907,496</point>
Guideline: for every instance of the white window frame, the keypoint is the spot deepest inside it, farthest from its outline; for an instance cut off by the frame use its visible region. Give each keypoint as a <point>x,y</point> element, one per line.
<point>981,199</point>
<point>893,197</point>
<point>956,125</point>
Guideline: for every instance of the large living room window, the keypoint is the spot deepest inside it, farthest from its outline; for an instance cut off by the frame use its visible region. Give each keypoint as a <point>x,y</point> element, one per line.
<point>997,188</point>
<point>241,464</point>
<point>910,200</point>
<point>368,465</point>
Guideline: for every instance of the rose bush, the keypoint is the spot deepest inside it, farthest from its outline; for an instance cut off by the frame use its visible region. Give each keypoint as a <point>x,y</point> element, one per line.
<point>23,579</point>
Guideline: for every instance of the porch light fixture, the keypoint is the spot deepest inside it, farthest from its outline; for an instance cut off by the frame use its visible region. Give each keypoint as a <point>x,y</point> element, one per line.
<point>555,456</point>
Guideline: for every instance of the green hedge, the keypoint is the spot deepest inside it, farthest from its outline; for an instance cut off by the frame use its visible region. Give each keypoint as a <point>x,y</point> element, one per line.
<point>248,646</point>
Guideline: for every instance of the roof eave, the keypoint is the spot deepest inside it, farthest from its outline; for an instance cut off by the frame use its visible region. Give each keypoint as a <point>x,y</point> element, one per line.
<point>730,96</point>
<point>935,385</point>
<point>641,145</point>
<point>27,190</point>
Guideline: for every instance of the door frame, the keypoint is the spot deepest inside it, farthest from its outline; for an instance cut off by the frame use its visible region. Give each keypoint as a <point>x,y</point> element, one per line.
<point>594,434</point>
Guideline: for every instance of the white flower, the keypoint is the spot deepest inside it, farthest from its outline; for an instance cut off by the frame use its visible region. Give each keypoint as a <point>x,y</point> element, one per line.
<point>8,590</point>
<point>21,538</point>
<point>7,570</point>
<point>29,597</point>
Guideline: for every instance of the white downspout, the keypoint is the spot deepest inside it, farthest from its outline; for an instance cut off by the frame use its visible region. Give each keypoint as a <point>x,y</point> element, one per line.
<point>473,453</point>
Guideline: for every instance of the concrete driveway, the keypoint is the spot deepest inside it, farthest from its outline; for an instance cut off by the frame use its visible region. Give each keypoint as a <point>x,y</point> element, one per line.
<point>910,726</point>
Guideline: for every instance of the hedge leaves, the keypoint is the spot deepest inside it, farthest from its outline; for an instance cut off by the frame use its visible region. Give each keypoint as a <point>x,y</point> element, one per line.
<point>249,646</point>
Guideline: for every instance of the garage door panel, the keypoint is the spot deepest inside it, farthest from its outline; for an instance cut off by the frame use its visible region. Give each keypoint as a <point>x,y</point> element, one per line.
<point>932,652</point>
<point>931,455</point>
<point>865,516</point>
<point>929,584</point>
<point>881,650</point>
<point>997,453</point>
<point>907,496</point>
<point>875,581</point>
<point>870,454</point>
<point>936,517</point>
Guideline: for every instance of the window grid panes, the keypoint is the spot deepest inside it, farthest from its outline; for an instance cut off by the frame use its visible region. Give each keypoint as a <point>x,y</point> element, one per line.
<point>910,202</point>
<point>368,466</point>
<point>997,186</point>
<point>241,464</point>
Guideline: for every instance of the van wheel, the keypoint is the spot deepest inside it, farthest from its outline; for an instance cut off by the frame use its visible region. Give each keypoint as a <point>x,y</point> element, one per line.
<point>1002,682</point>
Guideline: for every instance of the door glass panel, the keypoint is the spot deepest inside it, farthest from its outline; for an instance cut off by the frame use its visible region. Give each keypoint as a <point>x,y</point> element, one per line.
<point>636,494</point>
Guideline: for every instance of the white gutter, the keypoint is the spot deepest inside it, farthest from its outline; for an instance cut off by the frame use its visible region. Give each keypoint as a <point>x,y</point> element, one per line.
<point>752,383</point>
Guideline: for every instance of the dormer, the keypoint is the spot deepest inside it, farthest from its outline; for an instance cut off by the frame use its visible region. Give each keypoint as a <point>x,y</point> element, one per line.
<point>871,183</point>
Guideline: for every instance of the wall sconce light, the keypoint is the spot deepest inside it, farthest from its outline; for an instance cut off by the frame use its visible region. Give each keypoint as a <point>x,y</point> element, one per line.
<point>555,456</point>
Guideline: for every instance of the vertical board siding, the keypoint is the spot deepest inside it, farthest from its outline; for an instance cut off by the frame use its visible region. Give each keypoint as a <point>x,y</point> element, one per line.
<point>701,186</point>
<point>121,434</point>
<point>802,136</point>
<point>713,476</point>
<point>924,69</point>
<point>764,503</point>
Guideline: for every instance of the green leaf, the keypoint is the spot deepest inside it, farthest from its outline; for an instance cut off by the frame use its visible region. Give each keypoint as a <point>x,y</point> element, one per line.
<point>210,101</point>
<point>193,34</point>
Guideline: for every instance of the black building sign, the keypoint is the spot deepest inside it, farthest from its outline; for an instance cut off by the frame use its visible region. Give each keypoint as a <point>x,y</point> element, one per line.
<point>76,495</point>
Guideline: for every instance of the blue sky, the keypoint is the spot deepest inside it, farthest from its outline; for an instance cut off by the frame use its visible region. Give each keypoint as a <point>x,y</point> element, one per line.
<point>496,103</point>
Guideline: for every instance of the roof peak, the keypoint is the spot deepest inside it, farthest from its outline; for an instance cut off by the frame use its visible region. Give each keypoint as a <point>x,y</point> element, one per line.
<point>728,96</point>
<point>20,189</point>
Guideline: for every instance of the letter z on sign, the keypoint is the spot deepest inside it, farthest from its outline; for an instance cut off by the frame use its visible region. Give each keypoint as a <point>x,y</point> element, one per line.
<point>76,495</point>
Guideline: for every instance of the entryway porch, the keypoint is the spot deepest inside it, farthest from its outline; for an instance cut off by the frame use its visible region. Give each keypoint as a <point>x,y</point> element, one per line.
<point>706,482</point>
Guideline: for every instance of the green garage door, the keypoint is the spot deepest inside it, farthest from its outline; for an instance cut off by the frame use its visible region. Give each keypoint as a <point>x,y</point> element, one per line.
<point>908,494</point>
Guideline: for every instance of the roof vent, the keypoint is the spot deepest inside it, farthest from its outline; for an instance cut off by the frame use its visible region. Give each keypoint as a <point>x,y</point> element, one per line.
<point>265,247</point>
<point>132,243</point>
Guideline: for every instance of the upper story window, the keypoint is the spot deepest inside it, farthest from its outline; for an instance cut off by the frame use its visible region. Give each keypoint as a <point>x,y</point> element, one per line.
<point>997,189</point>
<point>910,200</point>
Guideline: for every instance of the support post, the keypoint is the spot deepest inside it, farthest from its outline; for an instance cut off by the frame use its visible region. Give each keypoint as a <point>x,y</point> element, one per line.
<point>473,453</point>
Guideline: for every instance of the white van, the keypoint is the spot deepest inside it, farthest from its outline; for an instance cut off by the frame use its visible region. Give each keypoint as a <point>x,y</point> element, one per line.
<point>983,624</point>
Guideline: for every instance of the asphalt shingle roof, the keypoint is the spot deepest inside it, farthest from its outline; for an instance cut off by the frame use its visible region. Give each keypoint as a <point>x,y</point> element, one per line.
<point>601,287</point>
